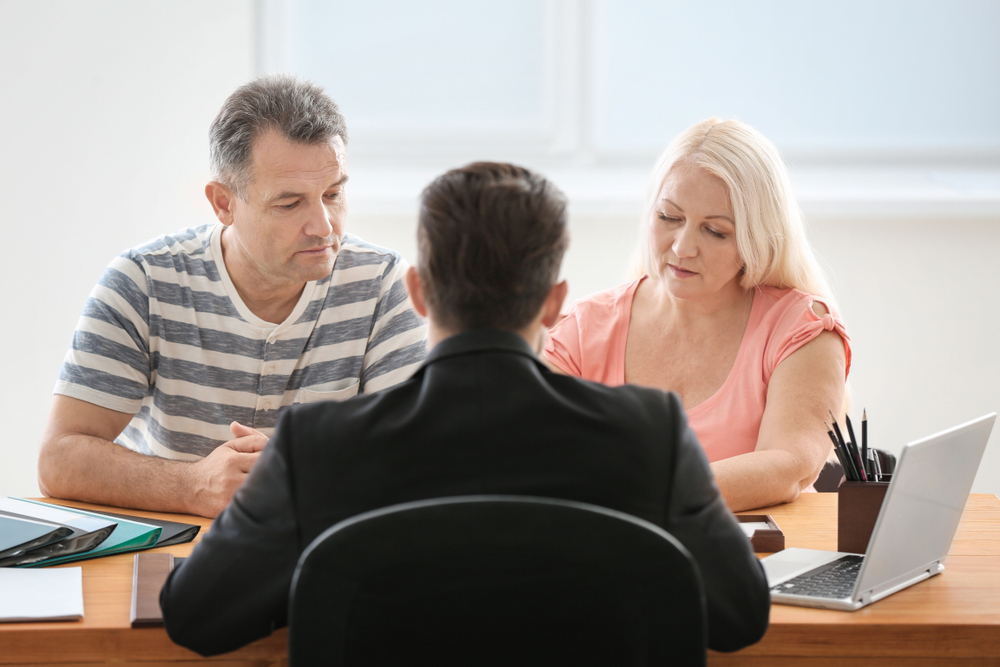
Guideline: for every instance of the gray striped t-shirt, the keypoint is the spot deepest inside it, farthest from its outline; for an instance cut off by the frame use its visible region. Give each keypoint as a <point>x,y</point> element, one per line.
<point>165,336</point>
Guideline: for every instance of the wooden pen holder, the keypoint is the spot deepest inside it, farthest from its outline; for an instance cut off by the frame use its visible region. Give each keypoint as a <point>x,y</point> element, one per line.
<point>858,506</point>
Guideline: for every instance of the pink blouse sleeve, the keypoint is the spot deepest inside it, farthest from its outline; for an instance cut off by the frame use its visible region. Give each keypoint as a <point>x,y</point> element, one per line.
<point>800,324</point>
<point>562,348</point>
<point>590,341</point>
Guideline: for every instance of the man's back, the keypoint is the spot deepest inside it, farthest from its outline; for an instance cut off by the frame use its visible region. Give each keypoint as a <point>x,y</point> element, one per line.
<point>483,415</point>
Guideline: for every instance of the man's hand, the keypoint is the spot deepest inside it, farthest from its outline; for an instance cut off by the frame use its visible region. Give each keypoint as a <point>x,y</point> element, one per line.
<point>217,476</point>
<point>251,435</point>
<point>78,460</point>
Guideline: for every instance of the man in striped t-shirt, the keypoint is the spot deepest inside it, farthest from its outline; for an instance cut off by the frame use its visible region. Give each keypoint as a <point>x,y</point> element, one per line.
<point>189,345</point>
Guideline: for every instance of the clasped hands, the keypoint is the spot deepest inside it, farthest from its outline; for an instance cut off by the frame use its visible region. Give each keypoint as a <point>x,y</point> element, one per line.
<point>218,475</point>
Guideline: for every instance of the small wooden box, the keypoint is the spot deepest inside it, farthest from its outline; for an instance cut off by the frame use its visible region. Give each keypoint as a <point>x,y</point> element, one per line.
<point>766,541</point>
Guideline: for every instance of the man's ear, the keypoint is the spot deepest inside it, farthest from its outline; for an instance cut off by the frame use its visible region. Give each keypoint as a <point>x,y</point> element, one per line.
<point>222,200</point>
<point>552,310</point>
<point>416,290</point>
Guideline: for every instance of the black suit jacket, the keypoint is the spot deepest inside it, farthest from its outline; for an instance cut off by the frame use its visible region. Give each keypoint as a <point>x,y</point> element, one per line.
<point>482,416</point>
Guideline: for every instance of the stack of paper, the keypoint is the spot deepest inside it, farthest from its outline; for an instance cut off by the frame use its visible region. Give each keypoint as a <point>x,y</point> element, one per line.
<point>41,595</point>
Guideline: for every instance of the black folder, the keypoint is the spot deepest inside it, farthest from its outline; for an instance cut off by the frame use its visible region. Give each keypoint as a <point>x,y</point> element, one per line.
<point>173,532</point>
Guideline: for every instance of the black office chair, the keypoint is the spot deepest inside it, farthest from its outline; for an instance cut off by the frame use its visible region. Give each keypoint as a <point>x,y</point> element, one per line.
<point>496,580</point>
<point>832,473</point>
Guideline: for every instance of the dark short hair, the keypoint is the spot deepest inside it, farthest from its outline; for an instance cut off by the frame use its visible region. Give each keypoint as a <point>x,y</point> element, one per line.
<point>490,237</point>
<point>300,110</point>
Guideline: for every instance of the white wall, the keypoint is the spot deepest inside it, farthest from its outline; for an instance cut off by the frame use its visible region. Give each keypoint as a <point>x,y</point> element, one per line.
<point>104,115</point>
<point>104,112</point>
<point>922,298</point>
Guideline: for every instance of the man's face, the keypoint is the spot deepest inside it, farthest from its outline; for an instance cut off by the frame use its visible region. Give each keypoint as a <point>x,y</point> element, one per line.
<point>290,227</point>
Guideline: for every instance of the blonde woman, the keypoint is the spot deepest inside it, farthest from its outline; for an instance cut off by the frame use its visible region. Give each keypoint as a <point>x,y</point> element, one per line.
<point>730,310</point>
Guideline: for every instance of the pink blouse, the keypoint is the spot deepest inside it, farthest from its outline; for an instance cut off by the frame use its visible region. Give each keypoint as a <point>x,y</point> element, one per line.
<point>590,343</point>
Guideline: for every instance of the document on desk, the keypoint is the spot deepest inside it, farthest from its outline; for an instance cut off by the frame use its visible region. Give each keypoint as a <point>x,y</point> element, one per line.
<point>41,595</point>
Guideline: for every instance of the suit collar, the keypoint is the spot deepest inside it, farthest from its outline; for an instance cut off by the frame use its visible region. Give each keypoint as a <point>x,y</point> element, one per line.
<point>480,340</point>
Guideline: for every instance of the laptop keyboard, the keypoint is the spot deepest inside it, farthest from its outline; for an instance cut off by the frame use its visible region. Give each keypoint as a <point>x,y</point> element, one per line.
<point>832,580</point>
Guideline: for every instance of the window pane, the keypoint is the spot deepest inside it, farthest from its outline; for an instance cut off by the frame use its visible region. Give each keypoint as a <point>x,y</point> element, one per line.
<point>814,76</point>
<point>416,66</point>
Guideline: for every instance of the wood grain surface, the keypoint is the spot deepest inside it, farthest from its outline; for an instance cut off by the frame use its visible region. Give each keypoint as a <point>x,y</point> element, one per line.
<point>950,619</point>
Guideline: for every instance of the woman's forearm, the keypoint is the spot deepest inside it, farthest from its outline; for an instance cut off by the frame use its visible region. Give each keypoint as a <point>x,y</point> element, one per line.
<point>760,479</point>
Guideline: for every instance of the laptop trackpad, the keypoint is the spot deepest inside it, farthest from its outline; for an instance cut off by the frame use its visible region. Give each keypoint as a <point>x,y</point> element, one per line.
<point>792,562</point>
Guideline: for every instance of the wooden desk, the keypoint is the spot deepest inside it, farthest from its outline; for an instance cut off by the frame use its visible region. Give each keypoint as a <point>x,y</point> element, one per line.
<point>105,634</point>
<point>950,619</point>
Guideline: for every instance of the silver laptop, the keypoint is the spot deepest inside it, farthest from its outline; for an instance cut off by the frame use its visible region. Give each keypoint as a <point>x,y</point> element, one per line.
<point>912,534</point>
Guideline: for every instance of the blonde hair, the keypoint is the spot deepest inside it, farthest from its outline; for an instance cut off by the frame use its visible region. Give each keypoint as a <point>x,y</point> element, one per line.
<point>770,235</point>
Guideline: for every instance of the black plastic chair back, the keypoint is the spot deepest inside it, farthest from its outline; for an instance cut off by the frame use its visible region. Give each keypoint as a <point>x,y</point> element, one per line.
<point>496,580</point>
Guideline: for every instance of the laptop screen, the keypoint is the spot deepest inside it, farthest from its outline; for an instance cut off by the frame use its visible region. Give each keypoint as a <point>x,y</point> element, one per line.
<point>924,503</point>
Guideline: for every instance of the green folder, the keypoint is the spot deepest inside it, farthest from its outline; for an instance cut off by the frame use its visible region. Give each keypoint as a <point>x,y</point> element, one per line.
<point>128,536</point>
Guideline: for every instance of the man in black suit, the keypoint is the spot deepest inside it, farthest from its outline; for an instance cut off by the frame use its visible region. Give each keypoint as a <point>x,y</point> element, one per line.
<point>482,416</point>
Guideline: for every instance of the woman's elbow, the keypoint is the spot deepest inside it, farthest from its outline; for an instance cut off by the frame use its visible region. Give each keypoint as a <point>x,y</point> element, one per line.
<point>798,479</point>
<point>798,483</point>
<point>787,493</point>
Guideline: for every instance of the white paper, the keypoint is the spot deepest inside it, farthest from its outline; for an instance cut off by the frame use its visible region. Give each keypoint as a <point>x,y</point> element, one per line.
<point>53,594</point>
<point>751,527</point>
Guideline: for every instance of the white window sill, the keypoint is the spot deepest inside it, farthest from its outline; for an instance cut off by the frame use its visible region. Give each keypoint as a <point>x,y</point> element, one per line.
<point>842,191</point>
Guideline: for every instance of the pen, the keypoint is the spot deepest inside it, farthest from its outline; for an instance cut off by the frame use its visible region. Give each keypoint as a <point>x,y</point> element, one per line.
<point>872,464</point>
<point>848,470</point>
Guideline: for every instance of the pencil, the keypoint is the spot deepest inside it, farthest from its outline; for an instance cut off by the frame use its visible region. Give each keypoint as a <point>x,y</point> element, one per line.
<point>836,428</point>
<point>854,444</point>
<point>864,432</point>
<point>852,452</point>
<point>847,452</point>
<point>848,470</point>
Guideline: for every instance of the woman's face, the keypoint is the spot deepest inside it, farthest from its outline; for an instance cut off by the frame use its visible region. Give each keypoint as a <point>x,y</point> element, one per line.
<point>692,235</point>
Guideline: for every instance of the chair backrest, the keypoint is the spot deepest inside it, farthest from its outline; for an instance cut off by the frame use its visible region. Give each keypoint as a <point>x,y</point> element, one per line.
<point>496,580</point>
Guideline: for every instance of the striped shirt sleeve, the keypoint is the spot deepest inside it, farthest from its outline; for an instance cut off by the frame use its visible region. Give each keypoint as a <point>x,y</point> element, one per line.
<point>108,363</point>
<point>397,343</point>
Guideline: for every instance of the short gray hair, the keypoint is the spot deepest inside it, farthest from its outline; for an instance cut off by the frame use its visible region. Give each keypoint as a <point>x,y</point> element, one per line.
<point>300,110</point>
